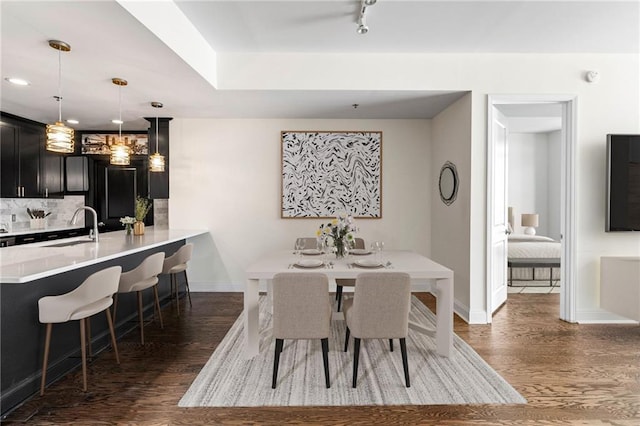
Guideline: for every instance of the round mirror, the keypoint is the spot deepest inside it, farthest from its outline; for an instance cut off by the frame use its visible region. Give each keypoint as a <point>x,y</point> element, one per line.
<point>448,183</point>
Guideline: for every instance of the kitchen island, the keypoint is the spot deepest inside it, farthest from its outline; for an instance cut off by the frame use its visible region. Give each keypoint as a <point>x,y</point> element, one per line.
<point>29,272</point>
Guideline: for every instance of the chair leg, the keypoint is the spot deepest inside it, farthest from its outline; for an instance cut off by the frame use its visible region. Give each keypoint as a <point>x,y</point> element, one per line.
<point>140,317</point>
<point>175,285</point>
<point>356,356</point>
<point>157,305</point>
<point>276,362</point>
<point>115,306</point>
<point>47,341</point>
<point>113,335</point>
<point>405,361</point>
<point>186,282</point>
<point>89,337</point>
<point>339,296</point>
<point>346,340</point>
<point>391,345</point>
<point>83,354</point>
<point>325,359</point>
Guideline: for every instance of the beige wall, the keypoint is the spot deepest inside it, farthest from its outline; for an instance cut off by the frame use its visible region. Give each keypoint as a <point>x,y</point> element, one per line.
<point>226,177</point>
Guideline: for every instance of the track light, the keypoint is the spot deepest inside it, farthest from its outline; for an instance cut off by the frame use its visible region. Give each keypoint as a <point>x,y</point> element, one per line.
<point>362,23</point>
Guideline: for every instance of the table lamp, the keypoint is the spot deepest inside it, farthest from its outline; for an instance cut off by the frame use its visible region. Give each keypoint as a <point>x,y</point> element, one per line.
<point>530,222</point>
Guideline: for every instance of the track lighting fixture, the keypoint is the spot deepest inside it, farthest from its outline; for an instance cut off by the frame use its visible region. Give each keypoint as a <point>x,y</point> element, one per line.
<point>362,22</point>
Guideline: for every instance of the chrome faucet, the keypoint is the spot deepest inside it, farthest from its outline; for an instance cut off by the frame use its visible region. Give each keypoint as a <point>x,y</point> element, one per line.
<point>93,234</point>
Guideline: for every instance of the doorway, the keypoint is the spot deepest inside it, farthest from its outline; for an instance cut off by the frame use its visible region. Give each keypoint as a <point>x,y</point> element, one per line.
<point>505,111</point>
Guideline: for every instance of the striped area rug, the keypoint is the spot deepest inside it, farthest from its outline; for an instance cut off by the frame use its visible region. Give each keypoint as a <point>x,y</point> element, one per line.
<point>230,380</point>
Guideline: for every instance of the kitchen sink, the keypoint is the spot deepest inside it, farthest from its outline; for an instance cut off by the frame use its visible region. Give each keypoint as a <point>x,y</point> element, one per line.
<point>70,243</point>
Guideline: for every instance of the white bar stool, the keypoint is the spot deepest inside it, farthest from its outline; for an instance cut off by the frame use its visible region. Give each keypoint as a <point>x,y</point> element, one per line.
<point>141,278</point>
<point>94,295</point>
<point>175,264</point>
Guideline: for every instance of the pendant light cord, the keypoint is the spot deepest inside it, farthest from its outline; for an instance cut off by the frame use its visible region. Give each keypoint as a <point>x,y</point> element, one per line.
<point>119,114</point>
<point>157,135</point>
<point>59,86</point>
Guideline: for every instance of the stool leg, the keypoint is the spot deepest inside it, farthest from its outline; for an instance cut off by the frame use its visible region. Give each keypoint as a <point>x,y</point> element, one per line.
<point>84,355</point>
<point>113,335</point>
<point>89,337</point>
<point>339,296</point>
<point>115,306</point>
<point>175,284</point>
<point>155,294</point>
<point>186,281</point>
<point>140,317</point>
<point>47,341</point>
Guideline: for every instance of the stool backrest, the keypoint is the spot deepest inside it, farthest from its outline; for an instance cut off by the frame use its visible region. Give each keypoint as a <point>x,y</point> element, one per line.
<point>180,257</point>
<point>150,267</point>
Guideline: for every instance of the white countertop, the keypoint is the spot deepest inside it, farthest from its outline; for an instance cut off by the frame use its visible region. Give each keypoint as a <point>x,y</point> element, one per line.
<point>24,263</point>
<point>27,231</point>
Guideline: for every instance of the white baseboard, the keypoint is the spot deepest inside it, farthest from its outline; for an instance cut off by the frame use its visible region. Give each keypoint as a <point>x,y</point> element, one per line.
<point>601,317</point>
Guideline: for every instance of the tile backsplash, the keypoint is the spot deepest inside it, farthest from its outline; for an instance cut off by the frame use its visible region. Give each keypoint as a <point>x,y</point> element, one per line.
<point>61,211</point>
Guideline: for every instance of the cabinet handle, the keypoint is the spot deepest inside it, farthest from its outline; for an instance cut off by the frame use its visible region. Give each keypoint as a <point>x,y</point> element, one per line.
<point>23,191</point>
<point>29,239</point>
<point>18,188</point>
<point>46,192</point>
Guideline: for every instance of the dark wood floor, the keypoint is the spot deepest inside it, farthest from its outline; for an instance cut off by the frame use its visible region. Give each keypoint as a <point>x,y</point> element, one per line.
<point>570,374</point>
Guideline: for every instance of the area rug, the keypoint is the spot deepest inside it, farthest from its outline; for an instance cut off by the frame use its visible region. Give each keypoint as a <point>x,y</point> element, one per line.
<point>230,380</point>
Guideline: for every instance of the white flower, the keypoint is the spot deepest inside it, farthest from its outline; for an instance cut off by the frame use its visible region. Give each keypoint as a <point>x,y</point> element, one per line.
<point>127,220</point>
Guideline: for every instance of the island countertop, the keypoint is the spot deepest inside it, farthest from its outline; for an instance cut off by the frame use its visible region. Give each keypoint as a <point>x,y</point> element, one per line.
<point>29,262</point>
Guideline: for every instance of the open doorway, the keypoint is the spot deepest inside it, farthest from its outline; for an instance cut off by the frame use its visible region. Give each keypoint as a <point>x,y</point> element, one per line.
<point>530,197</point>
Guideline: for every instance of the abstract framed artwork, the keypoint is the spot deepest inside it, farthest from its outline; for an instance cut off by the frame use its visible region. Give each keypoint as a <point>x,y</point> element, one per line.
<point>326,173</point>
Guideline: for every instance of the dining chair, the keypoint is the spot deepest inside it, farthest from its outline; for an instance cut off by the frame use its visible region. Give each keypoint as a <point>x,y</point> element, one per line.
<point>140,278</point>
<point>358,243</point>
<point>379,310</point>
<point>175,264</point>
<point>308,242</point>
<point>301,310</point>
<point>92,296</point>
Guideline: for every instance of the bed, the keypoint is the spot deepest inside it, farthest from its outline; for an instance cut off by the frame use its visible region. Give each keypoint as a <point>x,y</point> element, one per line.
<point>533,258</point>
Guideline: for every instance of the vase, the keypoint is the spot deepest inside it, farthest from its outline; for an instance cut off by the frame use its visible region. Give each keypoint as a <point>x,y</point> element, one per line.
<point>138,228</point>
<point>339,249</point>
<point>128,227</point>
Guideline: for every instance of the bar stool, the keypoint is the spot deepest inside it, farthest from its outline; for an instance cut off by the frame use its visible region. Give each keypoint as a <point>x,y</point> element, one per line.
<point>140,278</point>
<point>94,295</point>
<point>175,264</point>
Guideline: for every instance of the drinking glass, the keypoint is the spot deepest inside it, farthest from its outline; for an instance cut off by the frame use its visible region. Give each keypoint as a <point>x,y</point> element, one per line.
<point>299,246</point>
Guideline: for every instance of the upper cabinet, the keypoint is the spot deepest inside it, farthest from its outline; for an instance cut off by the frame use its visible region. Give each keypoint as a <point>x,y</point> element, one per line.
<point>27,169</point>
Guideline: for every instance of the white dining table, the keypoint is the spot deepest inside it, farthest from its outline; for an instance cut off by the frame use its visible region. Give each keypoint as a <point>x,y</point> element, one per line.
<point>414,264</point>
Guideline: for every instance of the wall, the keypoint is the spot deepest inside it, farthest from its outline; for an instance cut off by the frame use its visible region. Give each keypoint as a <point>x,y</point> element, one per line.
<point>61,211</point>
<point>610,106</point>
<point>226,177</point>
<point>534,180</point>
<point>451,140</point>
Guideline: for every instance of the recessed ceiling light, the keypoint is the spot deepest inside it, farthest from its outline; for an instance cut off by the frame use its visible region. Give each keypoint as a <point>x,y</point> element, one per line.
<point>116,121</point>
<point>72,121</point>
<point>17,81</point>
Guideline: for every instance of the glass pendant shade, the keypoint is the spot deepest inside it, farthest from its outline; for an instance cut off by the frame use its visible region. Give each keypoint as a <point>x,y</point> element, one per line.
<point>59,138</point>
<point>120,154</point>
<point>156,162</point>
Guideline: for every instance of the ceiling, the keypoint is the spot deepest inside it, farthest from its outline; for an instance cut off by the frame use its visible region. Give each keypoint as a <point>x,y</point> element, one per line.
<point>107,41</point>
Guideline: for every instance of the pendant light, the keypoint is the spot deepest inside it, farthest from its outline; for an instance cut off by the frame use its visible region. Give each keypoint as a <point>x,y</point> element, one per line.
<point>59,136</point>
<point>156,161</point>
<point>120,151</point>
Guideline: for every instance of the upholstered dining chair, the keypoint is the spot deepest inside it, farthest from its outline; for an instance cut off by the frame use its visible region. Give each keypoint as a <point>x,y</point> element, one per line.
<point>93,296</point>
<point>175,264</point>
<point>142,277</point>
<point>301,310</point>
<point>379,310</point>
<point>308,242</point>
<point>358,243</point>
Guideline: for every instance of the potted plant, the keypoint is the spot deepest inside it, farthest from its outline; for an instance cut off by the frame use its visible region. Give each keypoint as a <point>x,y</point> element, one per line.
<point>143,205</point>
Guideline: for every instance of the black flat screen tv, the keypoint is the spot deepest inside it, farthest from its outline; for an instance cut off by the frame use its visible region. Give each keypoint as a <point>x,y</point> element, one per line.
<point>623,183</point>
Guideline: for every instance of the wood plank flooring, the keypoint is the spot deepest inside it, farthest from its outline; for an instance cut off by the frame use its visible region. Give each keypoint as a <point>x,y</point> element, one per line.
<point>570,374</point>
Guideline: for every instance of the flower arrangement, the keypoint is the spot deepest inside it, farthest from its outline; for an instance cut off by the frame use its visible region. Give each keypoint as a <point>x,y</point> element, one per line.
<point>143,205</point>
<point>128,222</point>
<point>338,233</point>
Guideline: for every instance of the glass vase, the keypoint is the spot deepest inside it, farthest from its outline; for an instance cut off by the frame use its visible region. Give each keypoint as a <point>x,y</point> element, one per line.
<point>339,249</point>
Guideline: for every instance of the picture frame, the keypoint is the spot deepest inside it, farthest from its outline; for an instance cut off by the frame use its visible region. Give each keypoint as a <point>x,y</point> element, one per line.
<point>98,143</point>
<point>327,173</point>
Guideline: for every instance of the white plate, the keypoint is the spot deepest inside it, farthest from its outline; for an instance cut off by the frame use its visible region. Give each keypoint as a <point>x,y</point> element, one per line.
<point>311,252</point>
<point>309,263</point>
<point>359,252</point>
<point>367,263</point>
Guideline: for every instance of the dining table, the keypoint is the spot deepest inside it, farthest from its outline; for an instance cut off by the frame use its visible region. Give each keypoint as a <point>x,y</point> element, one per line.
<point>418,267</point>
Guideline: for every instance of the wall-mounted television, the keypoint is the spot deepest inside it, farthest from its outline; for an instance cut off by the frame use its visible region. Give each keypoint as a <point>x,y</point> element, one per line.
<point>623,183</point>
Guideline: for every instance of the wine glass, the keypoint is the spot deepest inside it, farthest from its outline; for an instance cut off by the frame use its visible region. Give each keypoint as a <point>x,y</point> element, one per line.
<point>299,246</point>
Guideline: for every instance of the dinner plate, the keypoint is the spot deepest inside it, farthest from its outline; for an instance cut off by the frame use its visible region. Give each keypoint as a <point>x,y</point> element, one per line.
<point>311,252</point>
<point>368,263</point>
<point>309,263</point>
<point>360,252</point>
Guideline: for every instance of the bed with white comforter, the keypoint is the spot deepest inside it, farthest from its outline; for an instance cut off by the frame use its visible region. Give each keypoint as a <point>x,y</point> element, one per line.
<point>533,246</point>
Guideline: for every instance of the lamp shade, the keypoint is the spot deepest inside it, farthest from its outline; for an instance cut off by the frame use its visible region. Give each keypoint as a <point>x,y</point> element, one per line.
<point>529,220</point>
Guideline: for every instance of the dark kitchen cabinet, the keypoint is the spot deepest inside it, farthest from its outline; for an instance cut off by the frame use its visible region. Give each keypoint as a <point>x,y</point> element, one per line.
<point>159,181</point>
<point>28,170</point>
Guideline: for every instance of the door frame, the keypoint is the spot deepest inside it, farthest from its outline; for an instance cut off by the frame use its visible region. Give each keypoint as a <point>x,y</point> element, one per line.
<point>567,194</point>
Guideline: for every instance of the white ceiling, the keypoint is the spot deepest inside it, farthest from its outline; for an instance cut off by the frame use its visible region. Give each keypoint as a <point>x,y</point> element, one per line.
<point>108,42</point>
